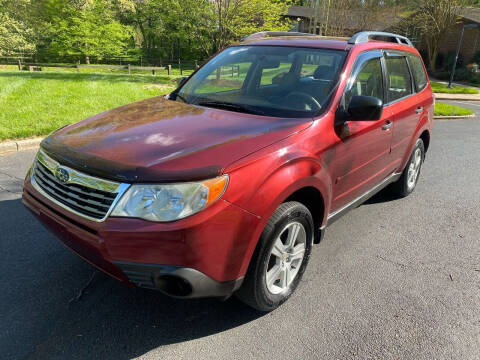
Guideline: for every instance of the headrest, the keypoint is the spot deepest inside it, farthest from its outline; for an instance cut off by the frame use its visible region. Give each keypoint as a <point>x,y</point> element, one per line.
<point>323,72</point>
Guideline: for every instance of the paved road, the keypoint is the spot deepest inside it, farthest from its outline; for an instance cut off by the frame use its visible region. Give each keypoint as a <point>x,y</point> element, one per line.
<point>393,279</point>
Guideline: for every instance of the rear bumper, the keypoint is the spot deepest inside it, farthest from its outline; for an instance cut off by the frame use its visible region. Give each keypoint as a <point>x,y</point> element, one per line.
<point>199,257</point>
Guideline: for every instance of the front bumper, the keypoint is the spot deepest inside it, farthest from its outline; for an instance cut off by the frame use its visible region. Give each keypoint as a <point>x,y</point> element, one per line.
<point>177,281</point>
<point>200,256</point>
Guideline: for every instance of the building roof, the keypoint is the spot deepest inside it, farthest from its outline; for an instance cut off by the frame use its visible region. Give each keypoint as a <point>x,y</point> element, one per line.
<point>349,19</point>
<point>472,14</point>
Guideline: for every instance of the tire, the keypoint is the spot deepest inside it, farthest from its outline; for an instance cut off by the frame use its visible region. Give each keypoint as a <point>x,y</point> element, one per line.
<point>407,182</point>
<point>284,264</point>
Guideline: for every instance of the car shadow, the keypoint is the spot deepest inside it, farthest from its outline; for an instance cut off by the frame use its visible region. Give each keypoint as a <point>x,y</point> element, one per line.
<point>55,305</point>
<point>385,195</point>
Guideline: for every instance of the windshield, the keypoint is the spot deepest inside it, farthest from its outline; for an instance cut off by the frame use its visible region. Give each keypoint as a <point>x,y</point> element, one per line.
<point>268,80</point>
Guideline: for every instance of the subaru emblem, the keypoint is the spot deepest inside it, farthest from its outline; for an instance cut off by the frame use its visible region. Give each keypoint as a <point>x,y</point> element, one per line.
<point>61,174</point>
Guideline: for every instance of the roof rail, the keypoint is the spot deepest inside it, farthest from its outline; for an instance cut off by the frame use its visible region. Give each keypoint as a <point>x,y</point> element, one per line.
<point>264,34</point>
<point>364,36</point>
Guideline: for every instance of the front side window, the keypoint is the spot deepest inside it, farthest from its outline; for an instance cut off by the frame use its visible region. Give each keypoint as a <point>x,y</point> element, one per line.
<point>399,82</point>
<point>267,80</point>
<point>418,71</point>
<point>368,81</point>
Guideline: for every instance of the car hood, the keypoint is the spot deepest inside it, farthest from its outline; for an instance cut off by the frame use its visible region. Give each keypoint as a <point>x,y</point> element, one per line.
<point>158,140</point>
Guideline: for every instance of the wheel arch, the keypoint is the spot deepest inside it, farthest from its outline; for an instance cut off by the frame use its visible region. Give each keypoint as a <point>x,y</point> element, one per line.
<point>303,179</point>
<point>425,136</point>
<point>313,200</point>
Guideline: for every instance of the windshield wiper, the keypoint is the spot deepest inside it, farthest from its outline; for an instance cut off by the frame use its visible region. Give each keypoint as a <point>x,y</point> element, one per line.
<point>231,106</point>
<point>177,95</point>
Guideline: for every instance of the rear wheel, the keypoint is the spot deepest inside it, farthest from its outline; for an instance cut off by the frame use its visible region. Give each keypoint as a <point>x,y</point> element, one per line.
<point>407,182</point>
<point>280,258</point>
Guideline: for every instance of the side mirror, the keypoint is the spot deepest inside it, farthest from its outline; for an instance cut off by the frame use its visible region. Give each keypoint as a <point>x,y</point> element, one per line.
<point>181,81</point>
<point>365,108</point>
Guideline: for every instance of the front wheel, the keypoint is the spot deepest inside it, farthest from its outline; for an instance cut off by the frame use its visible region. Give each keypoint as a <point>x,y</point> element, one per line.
<point>407,182</point>
<point>280,258</point>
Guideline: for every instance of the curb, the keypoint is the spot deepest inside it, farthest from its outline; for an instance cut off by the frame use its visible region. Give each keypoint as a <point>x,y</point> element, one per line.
<point>8,147</point>
<point>458,117</point>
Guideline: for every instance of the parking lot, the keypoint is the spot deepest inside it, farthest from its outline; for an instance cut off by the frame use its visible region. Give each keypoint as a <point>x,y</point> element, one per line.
<point>393,279</point>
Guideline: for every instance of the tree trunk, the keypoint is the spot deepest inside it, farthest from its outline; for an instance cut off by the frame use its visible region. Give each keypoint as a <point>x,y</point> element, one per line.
<point>432,48</point>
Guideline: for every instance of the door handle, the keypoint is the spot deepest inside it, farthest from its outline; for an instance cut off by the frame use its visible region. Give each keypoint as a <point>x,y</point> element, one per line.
<point>419,110</point>
<point>387,125</point>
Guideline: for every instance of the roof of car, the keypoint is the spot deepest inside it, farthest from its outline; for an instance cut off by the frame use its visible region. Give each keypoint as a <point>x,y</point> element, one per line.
<point>301,41</point>
<point>324,42</point>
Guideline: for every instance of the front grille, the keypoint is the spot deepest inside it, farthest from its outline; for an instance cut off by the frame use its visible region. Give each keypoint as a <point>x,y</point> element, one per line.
<point>84,200</point>
<point>140,275</point>
<point>140,279</point>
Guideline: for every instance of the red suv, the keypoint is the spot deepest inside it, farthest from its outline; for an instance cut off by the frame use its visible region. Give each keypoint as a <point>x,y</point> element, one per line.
<point>224,185</point>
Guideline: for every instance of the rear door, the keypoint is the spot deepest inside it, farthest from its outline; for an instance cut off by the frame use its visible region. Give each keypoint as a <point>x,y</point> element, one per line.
<point>362,155</point>
<point>401,101</point>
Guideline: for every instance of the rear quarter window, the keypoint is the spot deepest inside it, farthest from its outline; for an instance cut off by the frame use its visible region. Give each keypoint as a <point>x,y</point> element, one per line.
<point>417,71</point>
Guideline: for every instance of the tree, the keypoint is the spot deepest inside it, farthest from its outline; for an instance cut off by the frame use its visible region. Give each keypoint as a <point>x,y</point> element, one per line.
<point>83,28</point>
<point>234,19</point>
<point>435,18</point>
<point>15,33</point>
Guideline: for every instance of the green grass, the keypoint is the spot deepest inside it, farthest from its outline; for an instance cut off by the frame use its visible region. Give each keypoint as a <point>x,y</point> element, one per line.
<point>36,103</point>
<point>442,88</point>
<point>442,109</point>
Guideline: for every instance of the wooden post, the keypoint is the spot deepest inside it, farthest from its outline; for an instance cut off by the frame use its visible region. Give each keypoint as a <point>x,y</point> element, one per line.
<point>196,64</point>
<point>78,65</point>
<point>128,69</point>
<point>169,69</point>
<point>19,64</point>
<point>180,66</point>
<point>153,71</point>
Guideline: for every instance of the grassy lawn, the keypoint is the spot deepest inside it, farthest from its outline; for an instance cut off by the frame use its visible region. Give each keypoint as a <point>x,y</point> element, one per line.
<point>442,109</point>
<point>442,88</point>
<point>36,103</point>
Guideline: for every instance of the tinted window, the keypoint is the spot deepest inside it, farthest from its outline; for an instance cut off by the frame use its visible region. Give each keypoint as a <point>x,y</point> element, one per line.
<point>418,71</point>
<point>399,82</point>
<point>368,82</point>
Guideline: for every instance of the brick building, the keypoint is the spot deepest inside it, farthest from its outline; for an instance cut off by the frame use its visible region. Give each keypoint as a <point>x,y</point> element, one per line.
<point>471,37</point>
<point>347,22</point>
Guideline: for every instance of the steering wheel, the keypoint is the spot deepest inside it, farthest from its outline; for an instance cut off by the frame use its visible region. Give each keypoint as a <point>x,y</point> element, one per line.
<point>307,99</point>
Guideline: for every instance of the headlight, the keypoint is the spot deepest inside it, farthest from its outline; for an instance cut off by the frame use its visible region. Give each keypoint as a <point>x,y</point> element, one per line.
<point>169,202</point>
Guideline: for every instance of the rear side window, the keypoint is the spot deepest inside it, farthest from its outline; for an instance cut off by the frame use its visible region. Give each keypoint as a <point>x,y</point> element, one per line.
<point>369,81</point>
<point>399,82</point>
<point>417,71</point>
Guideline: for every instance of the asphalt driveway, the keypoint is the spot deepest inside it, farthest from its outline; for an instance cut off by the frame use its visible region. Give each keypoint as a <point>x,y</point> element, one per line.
<point>393,279</point>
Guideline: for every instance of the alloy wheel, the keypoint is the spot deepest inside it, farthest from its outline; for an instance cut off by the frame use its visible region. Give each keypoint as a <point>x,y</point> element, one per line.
<point>286,257</point>
<point>414,168</point>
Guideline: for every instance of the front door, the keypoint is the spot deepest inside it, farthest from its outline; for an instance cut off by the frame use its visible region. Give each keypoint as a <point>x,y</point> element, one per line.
<point>362,153</point>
